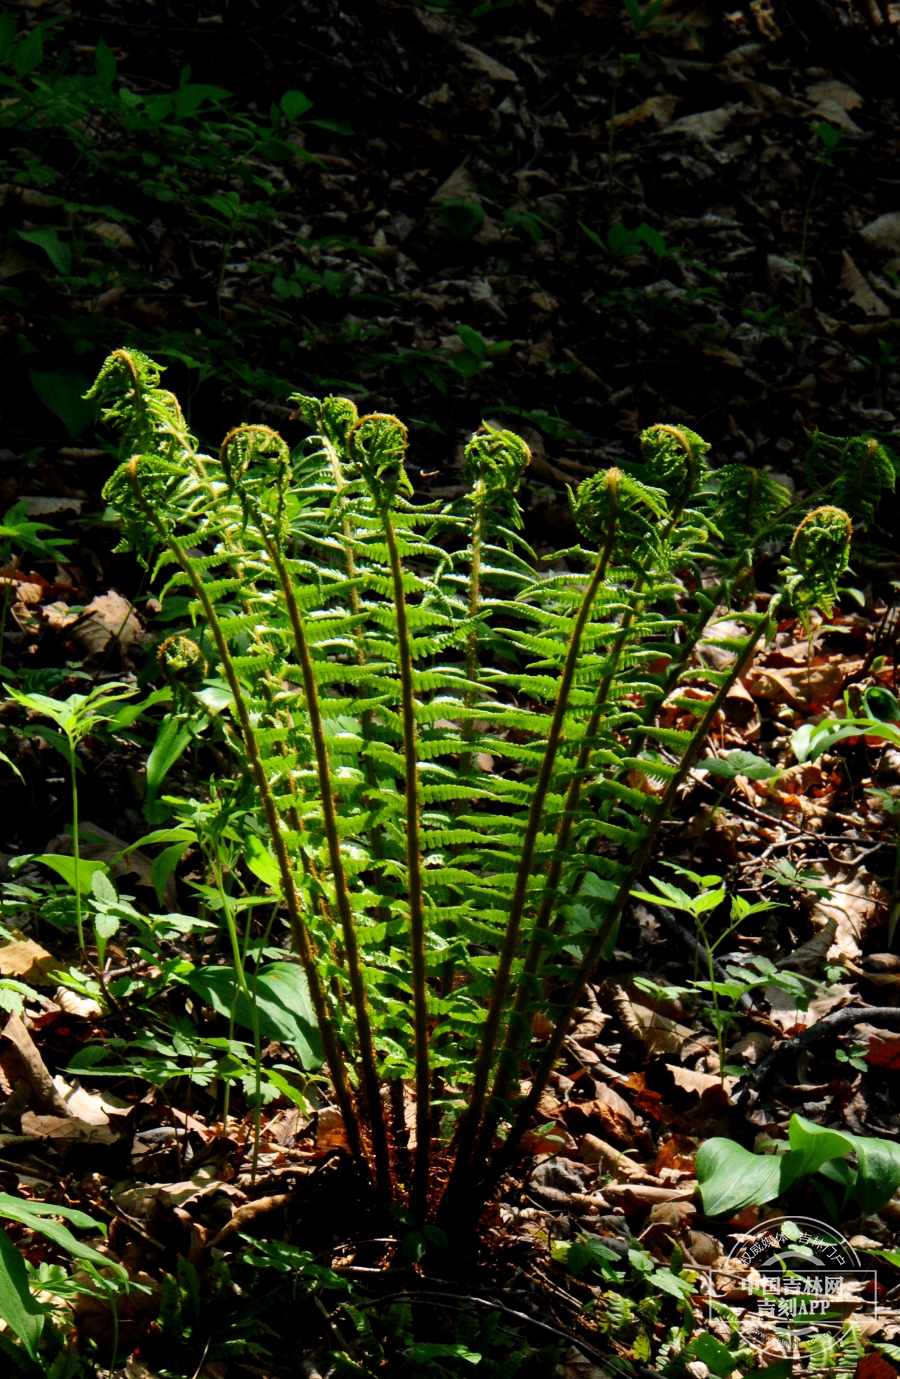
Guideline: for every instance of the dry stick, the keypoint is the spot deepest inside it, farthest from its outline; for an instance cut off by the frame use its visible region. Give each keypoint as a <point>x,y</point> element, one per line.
<point>539,1081</point>
<point>298,927</point>
<point>484,1061</point>
<point>838,1021</point>
<point>339,878</point>
<point>419,1197</point>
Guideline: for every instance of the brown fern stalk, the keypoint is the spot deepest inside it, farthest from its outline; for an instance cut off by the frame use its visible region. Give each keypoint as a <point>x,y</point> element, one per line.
<point>419,1197</point>
<point>506,1153</point>
<point>299,931</point>
<point>472,1117</point>
<point>339,878</point>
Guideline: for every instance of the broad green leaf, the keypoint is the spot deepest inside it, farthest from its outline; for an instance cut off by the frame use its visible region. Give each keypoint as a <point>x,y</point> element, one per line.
<point>261,862</point>
<point>814,1145</point>
<point>731,1178</point>
<point>282,1000</point>
<point>879,1172</point>
<point>64,865</point>
<point>162,866</point>
<point>739,764</point>
<point>62,390</point>
<point>171,741</point>
<point>21,1312</point>
<point>294,104</point>
<point>38,1217</point>
<point>716,1356</point>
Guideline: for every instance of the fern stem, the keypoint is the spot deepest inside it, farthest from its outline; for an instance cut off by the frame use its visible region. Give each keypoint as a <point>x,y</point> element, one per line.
<point>339,876</point>
<point>419,1198</point>
<point>765,628</point>
<point>484,1061</point>
<point>299,930</point>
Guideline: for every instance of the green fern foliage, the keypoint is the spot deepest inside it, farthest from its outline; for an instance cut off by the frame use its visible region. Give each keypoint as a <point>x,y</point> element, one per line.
<point>461,759</point>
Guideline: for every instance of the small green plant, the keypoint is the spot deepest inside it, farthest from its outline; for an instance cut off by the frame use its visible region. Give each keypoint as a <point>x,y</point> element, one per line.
<point>74,718</point>
<point>731,1178</point>
<point>19,535</point>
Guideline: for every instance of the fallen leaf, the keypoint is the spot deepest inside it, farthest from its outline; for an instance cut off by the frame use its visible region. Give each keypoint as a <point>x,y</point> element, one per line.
<point>659,108</point>
<point>107,618</point>
<point>574,1365</point>
<point>84,1007</point>
<point>45,1098</point>
<point>614,1161</point>
<point>331,1132</point>
<point>112,233</point>
<point>66,1128</point>
<point>809,957</point>
<point>690,1081</point>
<point>764,14</point>
<point>705,125</point>
<point>837,91</point>
<point>861,294</point>
<point>883,233</point>
<point>459,186</point>
<point>248,1213</point>
<point>487,64</point>
<point>38,506</point>
<point>28,961</point>
<point>672,1214</point>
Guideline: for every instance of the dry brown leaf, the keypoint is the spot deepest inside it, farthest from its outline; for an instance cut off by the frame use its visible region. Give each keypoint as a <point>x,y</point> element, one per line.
<point>648,1192</point>
<point>764,13</point>
<point>84,1007</point>
<point>837,91</point>
<point>45,1098</point>
<point>857,903</point>
<point>39,506</point>
<point>459,186</point>
<point>705,125</point>
<point>113,234</point>
<point>248,1213</point>
<point>107,618</point>
<point>331,1133</point>
<point>861,294</point>
<point>751,1048</point>
<point>809,957</point>
<point>483,62</point>
<point>883,233</point>
<point>66,1128</point>
<point>574,1365</point>
<point>661,1035</point>
<point>672,1214</point>
<point>99,845</point>
<point>28,961</point>
<point>691,1081</point>
<point>659,108</point>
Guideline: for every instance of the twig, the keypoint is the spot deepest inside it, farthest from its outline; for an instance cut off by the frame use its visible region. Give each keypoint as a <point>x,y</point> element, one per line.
<point>834,1023</point>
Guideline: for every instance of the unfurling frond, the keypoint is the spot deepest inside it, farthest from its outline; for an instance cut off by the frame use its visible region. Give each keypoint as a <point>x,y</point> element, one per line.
<point>333,417</point>
<point>377,444</point>
<point>856,471</point>
<point>182,663</point>
<point>820,552</point>
<point>674,460</point>
<point>147,417</point>
<point>145,485</point>
<point>748,503</point>
<point>639,513</point>
<point>497,458</point>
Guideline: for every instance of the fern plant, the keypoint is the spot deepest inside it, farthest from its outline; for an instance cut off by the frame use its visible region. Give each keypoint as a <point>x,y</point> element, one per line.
<point>457,757</point>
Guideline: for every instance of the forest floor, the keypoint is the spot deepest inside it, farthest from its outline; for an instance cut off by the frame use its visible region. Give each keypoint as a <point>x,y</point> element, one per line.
<point>473,238</point>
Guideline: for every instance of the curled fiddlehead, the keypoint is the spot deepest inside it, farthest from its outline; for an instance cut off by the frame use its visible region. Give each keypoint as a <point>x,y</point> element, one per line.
<point>331,417</point>
<point>856,471</point>
<point>673,459</point>
<point>494,464</point>
<point>820,553</point>
<point>640,514</point>
<point>256,464</point>
<point>147,417</point>
<point>747,502</point>
<point>147,482</point>
<point>377,444</point>
<point>182,663</point>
